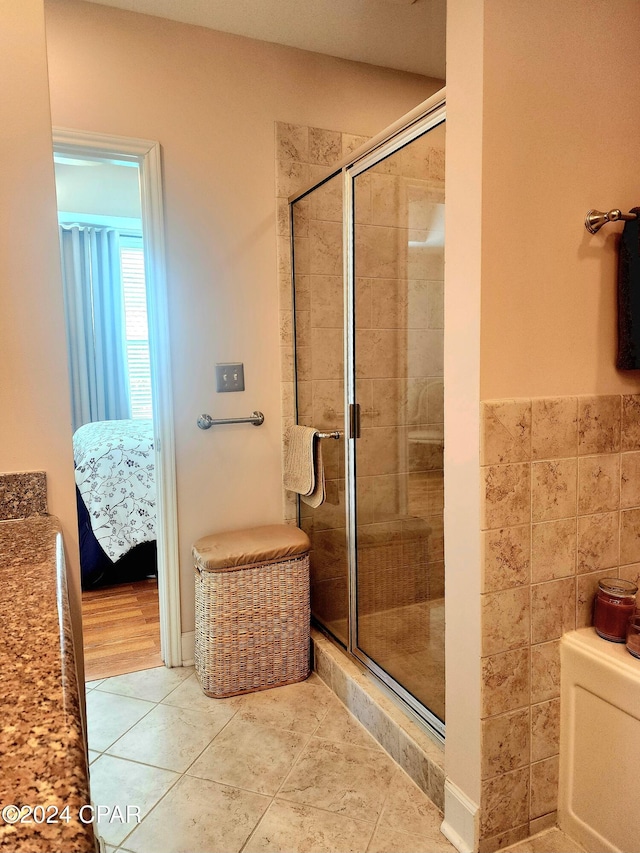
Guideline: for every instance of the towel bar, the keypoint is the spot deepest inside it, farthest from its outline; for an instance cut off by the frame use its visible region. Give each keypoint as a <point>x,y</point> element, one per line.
<point>335,434</point>
<point>595,219</point>
<point>206,421</point>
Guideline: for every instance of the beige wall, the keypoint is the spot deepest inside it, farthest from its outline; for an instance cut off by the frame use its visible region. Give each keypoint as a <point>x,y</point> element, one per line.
<point>560,136</point>
<point>211,100</point>
<point>35,427</point>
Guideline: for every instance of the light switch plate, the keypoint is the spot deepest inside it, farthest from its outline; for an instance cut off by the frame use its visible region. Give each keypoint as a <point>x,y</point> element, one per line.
<point>230,377</point>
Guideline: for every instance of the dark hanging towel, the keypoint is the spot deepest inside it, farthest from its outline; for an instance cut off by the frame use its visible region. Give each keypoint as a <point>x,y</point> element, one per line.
<point>629,295</point>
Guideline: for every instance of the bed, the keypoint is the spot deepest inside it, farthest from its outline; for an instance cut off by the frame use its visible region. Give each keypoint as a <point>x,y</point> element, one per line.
<point>116,494</point>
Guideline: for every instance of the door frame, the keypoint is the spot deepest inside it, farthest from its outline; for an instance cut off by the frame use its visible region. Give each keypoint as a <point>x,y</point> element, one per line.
<point>146,153</point>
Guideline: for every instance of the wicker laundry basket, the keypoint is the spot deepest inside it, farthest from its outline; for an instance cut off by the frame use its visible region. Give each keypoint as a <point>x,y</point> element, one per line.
<point>252,609</point>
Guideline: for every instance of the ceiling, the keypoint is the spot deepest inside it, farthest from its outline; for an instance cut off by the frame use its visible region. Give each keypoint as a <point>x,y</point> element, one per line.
<point>405,34</point>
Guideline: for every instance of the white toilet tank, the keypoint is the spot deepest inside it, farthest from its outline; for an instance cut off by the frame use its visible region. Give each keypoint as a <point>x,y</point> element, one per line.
<point>599,796</point>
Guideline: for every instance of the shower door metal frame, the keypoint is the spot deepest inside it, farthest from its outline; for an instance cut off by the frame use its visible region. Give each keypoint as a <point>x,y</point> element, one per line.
<point>419,121</point>
<point>417,128</point>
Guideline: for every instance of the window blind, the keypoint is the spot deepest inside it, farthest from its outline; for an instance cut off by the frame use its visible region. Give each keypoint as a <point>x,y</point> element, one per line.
<point>137,334</point>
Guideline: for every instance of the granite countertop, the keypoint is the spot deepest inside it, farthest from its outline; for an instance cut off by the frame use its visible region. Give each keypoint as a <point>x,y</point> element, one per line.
<point>42,746</point>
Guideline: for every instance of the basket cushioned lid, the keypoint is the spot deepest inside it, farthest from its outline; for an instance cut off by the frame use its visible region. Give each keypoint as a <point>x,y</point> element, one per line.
<point>271,544</point>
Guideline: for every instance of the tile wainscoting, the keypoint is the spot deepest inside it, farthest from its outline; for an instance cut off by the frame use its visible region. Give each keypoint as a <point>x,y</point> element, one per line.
<point>561,509</point>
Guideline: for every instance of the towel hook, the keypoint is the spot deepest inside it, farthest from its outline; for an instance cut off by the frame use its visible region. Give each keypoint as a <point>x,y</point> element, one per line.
<point>595,219</point>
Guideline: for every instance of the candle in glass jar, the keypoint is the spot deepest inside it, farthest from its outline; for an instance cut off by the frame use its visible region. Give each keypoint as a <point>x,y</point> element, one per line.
<point>615,603</point>
<point>633,635</point>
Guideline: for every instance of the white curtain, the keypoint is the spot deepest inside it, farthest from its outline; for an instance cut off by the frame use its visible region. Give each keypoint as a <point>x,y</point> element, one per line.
<point>94,308</point>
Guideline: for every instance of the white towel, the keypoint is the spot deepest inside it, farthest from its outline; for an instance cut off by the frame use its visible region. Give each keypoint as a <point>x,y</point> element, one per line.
<point>303,468</point>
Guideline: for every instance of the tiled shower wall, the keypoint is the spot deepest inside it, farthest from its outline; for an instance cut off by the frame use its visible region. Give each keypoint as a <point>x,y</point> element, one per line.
<point>399,305</point>
<point>303,155</point>
<point>561,510</point>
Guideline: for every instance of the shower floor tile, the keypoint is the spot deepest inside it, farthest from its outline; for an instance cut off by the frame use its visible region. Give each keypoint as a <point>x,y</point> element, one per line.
<point>283,770</point>
<point>408,643</point>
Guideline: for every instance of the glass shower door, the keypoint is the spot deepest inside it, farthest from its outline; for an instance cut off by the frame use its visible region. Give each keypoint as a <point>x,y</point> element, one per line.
<point>397,380</point>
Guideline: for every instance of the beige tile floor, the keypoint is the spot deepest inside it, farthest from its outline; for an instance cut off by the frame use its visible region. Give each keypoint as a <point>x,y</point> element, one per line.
<point>285,770</point>
<point>288,769</point>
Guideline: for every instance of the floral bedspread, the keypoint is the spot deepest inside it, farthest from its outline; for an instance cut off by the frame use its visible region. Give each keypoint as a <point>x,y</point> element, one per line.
<point>115,476</point>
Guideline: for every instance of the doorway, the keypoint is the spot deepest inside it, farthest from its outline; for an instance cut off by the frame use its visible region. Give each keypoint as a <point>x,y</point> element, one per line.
<point>123,231</point>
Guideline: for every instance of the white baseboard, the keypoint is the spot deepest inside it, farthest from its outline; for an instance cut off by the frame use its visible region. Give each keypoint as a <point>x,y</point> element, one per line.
<point>188,648</point>
<point>461,819</point>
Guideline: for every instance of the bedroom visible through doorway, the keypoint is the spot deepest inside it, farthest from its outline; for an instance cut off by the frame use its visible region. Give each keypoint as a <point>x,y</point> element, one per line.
<point>105,289</point>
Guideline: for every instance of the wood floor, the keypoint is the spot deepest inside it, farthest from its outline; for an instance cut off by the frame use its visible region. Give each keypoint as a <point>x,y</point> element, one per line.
<point>121,629</point>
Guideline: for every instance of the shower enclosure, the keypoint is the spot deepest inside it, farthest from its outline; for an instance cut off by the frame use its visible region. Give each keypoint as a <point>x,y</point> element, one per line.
<point>368,269</point>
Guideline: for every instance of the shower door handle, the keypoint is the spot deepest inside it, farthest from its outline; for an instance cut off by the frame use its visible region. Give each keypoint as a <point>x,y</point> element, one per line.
<point>354,420</point>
